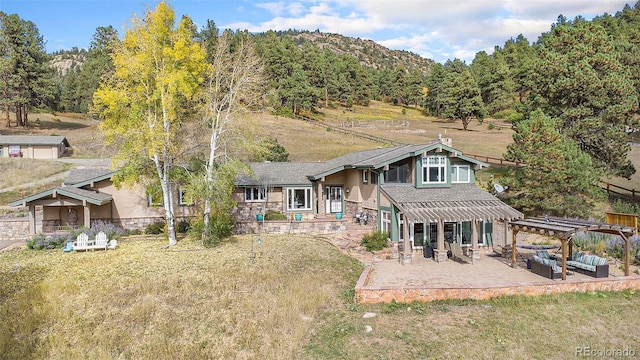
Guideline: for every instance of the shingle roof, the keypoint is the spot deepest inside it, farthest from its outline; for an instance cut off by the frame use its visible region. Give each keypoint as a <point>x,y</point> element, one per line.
<point>460,202</point>
<point>89,196</point>
<point>278,173</point>
<point>32,140</point>
<point>81,177</point>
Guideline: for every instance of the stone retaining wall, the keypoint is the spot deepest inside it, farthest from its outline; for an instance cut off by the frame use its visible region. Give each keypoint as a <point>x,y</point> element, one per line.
<point>14,229</point>
<point>316,226</point>
<point>386,294</point>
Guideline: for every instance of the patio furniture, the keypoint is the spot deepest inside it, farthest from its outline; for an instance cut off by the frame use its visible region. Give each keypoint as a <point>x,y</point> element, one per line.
<point>456,251</point>
<point>112,244</point>
<point>68,247</point>
<point>82,243</point>
<point>591,265</point>
<point>545,266</point>
<point>100,242</point>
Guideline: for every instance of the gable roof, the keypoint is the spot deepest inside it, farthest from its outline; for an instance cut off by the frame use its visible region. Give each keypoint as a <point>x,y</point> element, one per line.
<point>460,202</point>
<point>290,173</point>
<point>33,140</point>
<point>83,177</point>
<point>89,196</point>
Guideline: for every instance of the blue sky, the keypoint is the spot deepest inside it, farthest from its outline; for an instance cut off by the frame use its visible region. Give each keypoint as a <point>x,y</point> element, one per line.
<point>435,29</point>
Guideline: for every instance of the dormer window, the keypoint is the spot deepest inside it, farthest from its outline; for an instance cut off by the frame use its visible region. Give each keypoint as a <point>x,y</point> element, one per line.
<point>434,169</point>
<point>460,174</point>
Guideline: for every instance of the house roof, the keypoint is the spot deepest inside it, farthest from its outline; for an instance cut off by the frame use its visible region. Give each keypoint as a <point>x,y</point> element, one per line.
<point>33,140</point>
<point>89,196</point>
<point>278,173</point>
<point>289,173</point>
<point>83,177</point>
<point>460,202</point>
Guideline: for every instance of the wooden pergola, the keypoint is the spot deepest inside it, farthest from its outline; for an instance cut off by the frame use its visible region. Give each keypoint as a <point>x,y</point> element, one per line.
<point>564,229</point>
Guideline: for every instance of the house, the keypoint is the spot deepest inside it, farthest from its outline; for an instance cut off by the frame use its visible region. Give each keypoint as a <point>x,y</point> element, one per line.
<point>89,195</point>
<point>420,195</point>
<point>33,147</point>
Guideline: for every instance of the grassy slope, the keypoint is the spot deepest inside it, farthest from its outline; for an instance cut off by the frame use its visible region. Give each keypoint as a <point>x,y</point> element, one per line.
<point>291,302</point>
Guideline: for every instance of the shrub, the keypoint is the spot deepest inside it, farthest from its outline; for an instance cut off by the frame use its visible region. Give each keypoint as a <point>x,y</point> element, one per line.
<point>220,227</point>
<point>36,242</point>
<point>112,231</point>
<point>183,227</point>
<point>155,228</point>
<point>376,240</point>
<point>491,126</point>
<point>274,215</point>
<point>40,241</point>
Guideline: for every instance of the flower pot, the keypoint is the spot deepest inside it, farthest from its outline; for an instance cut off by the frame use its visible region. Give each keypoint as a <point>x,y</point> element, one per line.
<point>259,217</point>
<point>298,217</point>
<point>339,216</point>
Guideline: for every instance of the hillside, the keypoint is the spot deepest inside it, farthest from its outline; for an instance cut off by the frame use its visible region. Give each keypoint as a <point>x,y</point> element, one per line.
<point>368,52</point>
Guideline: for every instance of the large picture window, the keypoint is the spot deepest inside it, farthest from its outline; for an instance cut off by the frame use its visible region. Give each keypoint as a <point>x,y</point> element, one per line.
<point>255,194</point>
<point>434,169</point>
<point>299,199</point>
<point>397,174</point>
<point>460,174</point>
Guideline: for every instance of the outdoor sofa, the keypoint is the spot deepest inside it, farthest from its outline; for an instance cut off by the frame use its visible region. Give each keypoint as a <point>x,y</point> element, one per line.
<point>591,265</point>
<point>543,265</point>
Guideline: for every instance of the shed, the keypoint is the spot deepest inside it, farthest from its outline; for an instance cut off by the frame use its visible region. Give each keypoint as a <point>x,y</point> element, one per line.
<point>33,147</point>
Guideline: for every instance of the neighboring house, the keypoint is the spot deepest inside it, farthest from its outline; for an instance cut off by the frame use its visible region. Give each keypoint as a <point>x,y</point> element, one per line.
<point>88,195</point>
<point>421,195</point>
<point>33,147</point>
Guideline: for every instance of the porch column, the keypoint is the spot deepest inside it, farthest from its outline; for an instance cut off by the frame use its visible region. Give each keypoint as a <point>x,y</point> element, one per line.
<point>32,219</point>
<point>406,254</point>
<point>564,258</point>
<point>321,210</point>
<point>440,254</point>
<point>474,252</point>
<point>87,216</point>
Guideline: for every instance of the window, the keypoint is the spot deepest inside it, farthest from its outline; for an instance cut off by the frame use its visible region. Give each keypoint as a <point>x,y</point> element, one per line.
<point>365,176</point>
<point>299,198</point>
<point>374,177</point>
<point>460,174</point>
<point>397,174</point>
<point>255,194</point>
<point>154,198</point>
<point>385,225</point>
<point>183,199</point>
<point>434,169</point>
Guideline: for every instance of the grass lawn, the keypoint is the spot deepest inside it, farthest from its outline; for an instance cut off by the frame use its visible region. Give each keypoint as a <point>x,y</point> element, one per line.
<point>292,301</point>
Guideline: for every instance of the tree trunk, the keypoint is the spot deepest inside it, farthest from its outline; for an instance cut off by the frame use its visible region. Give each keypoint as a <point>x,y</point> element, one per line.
<point>26,116</point>
<point>6,111</point>
<point>18,115</point>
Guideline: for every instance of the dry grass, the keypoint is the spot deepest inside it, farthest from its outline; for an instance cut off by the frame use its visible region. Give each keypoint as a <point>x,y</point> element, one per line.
<point>142,301</point>
<point>145,302</point>
<point>18,171</point>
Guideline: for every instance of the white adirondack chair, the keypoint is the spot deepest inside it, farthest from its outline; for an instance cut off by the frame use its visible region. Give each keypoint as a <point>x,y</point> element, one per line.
<point>101,241</point>
<point>82,242</point>
<point>112,244</point>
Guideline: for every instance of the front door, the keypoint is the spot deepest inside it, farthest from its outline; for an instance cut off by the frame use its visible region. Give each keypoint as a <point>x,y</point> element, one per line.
<point>334,199</point>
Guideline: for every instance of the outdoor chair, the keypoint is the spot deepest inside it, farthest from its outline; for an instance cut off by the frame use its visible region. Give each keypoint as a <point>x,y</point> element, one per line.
<point>112,244</point>
<point>101,241</point>
<point>456,250</point>
<point>68,247</point>
<point>82,242</point>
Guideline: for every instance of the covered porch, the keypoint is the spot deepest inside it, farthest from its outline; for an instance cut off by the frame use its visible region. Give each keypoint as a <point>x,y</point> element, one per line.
<point>65,208</point>
<point>442,211</point>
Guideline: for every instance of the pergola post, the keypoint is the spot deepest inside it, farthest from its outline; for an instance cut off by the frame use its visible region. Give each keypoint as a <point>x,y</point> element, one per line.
<point>627,254</point>
<point>513,248</point>
<point>474,251</point>
<point>564,258</point>
<point>440,254</point>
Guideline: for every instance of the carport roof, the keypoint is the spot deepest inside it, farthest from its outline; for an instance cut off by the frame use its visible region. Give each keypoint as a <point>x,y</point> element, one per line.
<point>33,140</point>
<point>460,202</point>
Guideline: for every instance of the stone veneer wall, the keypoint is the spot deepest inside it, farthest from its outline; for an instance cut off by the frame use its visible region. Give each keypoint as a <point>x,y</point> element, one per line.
<point>13,229</point>
<point>386,294</point>
<point>316,226</point>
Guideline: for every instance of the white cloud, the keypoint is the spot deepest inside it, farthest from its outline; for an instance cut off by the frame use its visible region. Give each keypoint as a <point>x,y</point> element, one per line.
<point>439,29</point>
